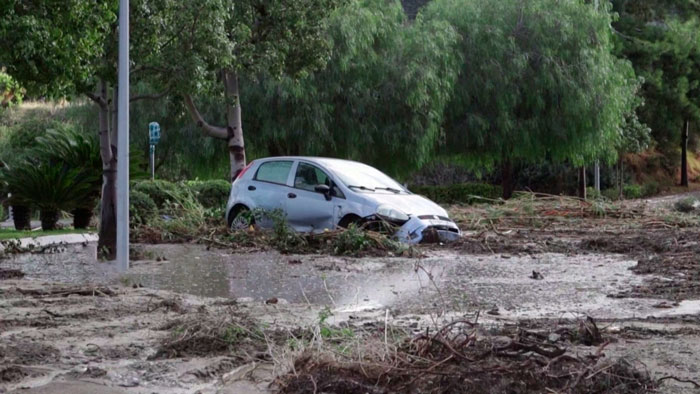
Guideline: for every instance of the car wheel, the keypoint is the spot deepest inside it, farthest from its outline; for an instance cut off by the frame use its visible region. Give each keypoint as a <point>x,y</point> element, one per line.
<point>241,219</point>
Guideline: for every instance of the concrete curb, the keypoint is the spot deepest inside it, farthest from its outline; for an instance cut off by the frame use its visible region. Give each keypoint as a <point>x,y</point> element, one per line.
<point>46,240</point>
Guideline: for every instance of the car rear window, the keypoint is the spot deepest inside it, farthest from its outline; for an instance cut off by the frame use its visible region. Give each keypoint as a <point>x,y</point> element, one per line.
<point>274,171</point>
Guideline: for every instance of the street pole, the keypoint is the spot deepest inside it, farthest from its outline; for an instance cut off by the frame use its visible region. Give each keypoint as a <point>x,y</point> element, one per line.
<point>153,162</point>
<point>123,140</point>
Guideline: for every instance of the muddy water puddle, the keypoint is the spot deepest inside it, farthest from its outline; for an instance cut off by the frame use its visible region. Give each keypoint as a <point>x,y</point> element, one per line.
<point>547,285</point>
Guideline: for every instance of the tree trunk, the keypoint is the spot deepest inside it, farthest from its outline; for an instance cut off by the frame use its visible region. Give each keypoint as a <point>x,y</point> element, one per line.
<point>49,218</point>
<point>507,179</point>
<point>22,216</point>
<point>81,217</point>
<point>107,244</point>
<point>582,182</point>
<point>621,178</point>
<point>684,154</point>
<point>234,129</point>
<point>233,132</point>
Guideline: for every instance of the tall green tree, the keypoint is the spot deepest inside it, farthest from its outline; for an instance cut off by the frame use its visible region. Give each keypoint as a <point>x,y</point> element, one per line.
<point>221,41</point>
<point>380,99</point>
<point>662,40</point>
<point>68,49</point>
<point>538,81</point>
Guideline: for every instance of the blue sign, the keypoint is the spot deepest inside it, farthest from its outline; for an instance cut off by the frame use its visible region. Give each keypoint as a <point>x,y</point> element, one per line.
<point>153,133</point>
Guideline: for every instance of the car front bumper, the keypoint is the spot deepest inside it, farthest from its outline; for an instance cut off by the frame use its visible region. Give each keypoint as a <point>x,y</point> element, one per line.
<point>422,229</point>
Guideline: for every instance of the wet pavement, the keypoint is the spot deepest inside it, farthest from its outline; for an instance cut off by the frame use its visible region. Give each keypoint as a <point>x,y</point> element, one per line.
<point>504,286</point>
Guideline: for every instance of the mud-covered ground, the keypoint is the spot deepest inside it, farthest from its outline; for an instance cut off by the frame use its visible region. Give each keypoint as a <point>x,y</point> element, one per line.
<point>190,318</point>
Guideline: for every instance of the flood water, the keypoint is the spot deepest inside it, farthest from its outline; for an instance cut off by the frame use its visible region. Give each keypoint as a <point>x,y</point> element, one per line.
<point>445,281</point>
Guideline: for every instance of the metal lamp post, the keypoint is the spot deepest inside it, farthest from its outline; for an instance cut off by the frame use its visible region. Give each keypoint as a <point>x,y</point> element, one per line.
<point>123,140</point>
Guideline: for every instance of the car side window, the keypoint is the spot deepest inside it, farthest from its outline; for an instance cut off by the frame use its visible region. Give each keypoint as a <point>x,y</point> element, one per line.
<point>274,172</point>
<point>309,176</point>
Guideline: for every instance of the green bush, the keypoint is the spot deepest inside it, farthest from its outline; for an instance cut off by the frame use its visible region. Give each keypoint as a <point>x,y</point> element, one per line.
<point>593,194</point>
<point>467,193</point>
<point>632,191</point>
<point>651,189</point>
<point>141,207</point>
<point>688,204</point>
<point>159,191</point>
<point>612,193</point>
<point>211,193</point>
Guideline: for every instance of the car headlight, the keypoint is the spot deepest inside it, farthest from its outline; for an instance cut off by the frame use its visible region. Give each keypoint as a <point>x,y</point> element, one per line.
<point>391,214</point>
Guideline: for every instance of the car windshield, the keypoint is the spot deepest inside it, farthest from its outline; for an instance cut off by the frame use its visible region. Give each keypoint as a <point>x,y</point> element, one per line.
<point>361,177</point>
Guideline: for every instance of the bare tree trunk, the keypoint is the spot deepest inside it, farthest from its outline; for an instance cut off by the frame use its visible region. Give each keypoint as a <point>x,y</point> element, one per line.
<point>107,244</point>
<point>233,132</point>
<point>507,178</point>
<point>621,178</point>
<point>684,154</point>
<point>582,182</point>
<point>236,147</point>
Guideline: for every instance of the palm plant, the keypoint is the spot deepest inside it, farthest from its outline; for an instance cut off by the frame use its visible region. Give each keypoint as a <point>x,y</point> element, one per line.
<point>50,188</point>
<point>80,152</point>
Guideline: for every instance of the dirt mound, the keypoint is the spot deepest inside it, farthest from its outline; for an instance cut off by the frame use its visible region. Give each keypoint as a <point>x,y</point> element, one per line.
<point>205,334</point>
<point>28,353</point>
<point>458,360</point>
<point>11,274</point>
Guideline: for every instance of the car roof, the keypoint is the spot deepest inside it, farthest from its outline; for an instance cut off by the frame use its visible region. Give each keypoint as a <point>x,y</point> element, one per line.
<point>320,160</point>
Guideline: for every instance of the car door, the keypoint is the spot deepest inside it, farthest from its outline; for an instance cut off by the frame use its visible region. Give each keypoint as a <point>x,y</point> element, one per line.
<point>268,188</point>
<point>307,209</point>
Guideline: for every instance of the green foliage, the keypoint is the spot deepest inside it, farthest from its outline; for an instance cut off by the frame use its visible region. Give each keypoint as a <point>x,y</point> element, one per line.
<point>211,193</point>
<point>612,194</point>
<point>632,192</point>
<point>352,241</point>
<point>686,205</point>
<point>141,208</point>
<point>380,98</point>
<point>18,138</point>
<point>46,186</point>
<point>159,191</point>
<point>538,80</point>
<point>11,93</point>
<point>662,40</point>
<point>466,193</point>
<point>593,194</point>
<point>650,189</point>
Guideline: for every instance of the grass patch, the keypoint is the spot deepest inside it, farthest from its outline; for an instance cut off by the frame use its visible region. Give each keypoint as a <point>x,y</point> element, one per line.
<point>14,234</point>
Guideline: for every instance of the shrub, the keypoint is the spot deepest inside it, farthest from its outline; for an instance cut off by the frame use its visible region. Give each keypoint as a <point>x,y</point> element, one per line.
<point>159,191</point>
<point>141,207</point>
<point>650,189</point>
<point>688,204</point>
<point>632,191</point>
<point>211,193</point>
<point>467,193</point>
<point>612,193</point>
<point>593,194</point>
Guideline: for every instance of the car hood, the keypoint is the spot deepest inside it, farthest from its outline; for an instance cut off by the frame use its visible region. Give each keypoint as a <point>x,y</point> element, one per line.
<point>411,204</point>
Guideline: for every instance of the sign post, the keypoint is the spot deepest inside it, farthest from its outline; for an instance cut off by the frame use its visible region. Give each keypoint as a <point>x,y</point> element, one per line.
<point>153,138</point>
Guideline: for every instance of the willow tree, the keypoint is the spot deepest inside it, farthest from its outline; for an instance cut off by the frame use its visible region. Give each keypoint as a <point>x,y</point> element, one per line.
<point>538,82</point>
<point>221,41</point>
<point>662,40</point>
<point>380,99</point>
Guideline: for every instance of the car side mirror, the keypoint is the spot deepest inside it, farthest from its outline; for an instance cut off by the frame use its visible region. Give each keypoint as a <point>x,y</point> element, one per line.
<point>323,189</point>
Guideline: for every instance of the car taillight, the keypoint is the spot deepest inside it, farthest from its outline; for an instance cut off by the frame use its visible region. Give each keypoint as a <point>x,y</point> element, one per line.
<point>240,174</point>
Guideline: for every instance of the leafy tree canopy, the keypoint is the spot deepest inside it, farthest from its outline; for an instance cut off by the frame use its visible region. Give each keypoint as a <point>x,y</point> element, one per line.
<point>538,80</point>
<point>380,99</point>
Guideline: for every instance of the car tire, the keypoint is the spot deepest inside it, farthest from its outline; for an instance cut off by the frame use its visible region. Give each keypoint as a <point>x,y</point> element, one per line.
<point>349,219</point>
<point>238,220</point>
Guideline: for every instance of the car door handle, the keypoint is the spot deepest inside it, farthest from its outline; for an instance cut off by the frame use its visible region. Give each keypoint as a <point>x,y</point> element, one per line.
<point>251,188</point>
<point>291,195</point>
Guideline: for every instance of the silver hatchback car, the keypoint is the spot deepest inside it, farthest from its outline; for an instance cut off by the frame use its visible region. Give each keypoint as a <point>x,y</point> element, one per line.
<point>320,193</point>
